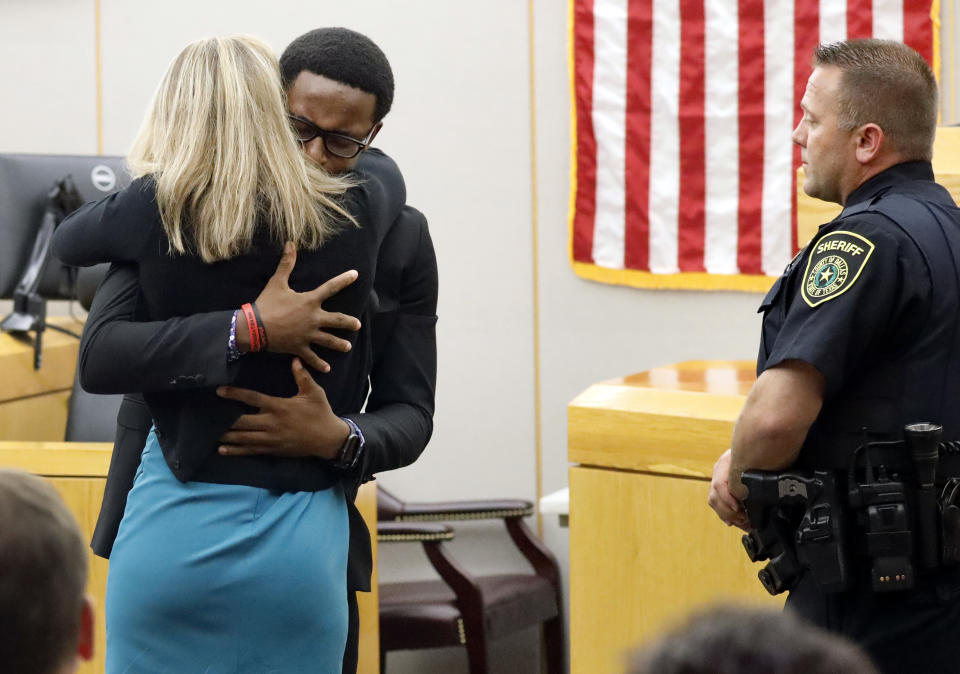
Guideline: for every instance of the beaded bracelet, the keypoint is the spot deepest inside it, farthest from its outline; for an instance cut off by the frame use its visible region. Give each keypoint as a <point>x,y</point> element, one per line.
<point>233,353</point>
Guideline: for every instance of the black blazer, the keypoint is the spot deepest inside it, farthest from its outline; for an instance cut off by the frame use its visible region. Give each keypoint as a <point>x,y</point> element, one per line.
<point>190,419</point>
<point>398,336</point>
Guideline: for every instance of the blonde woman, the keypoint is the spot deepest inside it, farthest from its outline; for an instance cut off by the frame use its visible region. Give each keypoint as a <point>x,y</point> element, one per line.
<point>232,564</point>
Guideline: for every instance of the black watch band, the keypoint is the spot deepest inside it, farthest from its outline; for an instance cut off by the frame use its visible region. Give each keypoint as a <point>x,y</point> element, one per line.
<point>350,452</point>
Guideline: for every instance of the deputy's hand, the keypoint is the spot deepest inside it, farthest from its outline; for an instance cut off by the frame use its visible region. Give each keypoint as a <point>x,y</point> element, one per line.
<point>303,425</point>
<point>724,503</point>
<point>293,321</point>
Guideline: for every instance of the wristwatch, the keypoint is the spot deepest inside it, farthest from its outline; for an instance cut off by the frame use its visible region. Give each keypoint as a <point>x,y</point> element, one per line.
<point>352,447</point>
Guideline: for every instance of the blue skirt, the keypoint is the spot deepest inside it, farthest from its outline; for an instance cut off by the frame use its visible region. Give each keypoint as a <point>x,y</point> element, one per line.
<point>220,578</point>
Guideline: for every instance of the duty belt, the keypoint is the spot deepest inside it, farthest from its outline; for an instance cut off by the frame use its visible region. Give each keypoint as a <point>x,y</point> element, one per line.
<point>897,503</point>
<point>895,456</point>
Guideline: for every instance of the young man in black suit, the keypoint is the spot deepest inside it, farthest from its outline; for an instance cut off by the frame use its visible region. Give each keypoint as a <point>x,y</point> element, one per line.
<point>339,88</point>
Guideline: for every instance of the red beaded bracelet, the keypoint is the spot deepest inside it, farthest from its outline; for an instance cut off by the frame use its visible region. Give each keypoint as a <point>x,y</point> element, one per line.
<point>252,328</point>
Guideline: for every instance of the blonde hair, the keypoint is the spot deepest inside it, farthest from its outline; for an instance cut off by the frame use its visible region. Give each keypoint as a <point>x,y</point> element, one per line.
<point>217,141</point>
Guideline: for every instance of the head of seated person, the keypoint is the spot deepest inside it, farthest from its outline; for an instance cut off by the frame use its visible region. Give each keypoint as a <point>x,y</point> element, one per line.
<point>741,640</point>
<point>46,616</point>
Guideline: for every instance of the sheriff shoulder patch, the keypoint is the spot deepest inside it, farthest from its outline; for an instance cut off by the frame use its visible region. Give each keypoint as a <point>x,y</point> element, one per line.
<point>834,265</point>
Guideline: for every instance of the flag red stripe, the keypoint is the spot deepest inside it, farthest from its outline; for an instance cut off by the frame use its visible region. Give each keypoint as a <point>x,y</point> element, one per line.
<point>751,125</point>
<point>586,204</point>
<point>691,191</point>
<point>918,27</point>
<point>691,221</point>
<point>806,37</point>
<point>859,19</point>
<point>637,192</point>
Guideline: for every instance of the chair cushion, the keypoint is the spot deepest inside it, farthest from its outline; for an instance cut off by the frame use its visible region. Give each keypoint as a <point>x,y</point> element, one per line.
<point>516,602</point>
<point>418,615</point>
<point>424,614</point>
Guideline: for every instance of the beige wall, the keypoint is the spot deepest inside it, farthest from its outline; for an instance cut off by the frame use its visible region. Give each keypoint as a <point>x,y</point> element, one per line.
<point>48,77</point>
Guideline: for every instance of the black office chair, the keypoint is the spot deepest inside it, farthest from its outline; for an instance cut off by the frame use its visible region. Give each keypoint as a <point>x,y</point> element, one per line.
<point>463,609</point>
<point>90,417</point>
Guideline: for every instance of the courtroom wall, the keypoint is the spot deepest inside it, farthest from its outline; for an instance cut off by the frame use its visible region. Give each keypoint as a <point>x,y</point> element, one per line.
<point>461,131</point>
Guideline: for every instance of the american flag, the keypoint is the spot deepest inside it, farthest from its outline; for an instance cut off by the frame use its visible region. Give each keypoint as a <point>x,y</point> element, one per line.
<point>684,172</point>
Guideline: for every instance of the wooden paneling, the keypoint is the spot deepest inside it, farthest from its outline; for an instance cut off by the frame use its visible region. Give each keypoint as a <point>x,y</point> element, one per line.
<point>20,380</point>
<point>58,459</point>
<point>83,496</point>
<point>33,403</point>
<point>42,417</point>
<point>369,602</point>
<point>644,551</point>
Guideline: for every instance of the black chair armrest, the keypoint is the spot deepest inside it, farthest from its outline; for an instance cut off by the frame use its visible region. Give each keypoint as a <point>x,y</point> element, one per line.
<point>465,510</point>
<point>404,532</point>
<point>432,536</point>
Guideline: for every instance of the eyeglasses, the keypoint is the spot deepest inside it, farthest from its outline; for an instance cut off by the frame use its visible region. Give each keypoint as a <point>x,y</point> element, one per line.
<point>336,144</point>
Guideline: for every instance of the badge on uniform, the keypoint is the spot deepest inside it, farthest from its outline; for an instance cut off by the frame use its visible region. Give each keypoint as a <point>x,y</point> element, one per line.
<point>834,265</point>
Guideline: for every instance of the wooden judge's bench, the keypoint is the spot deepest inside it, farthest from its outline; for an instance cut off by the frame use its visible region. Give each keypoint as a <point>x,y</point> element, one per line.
<point>33,415</point>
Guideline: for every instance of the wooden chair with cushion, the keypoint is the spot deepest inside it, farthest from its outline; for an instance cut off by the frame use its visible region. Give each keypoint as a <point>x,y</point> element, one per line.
<point>463,609</point>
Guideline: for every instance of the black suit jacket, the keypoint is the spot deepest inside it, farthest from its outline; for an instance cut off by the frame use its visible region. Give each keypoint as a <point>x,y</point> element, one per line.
<point>190,419</point>
<point>121,354</point>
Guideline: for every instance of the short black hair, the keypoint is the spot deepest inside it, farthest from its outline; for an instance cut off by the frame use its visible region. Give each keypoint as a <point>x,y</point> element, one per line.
<point>343,55</point>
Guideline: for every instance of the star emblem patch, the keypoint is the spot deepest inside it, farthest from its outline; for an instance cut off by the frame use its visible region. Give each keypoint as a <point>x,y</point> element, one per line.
<point>834,265</point>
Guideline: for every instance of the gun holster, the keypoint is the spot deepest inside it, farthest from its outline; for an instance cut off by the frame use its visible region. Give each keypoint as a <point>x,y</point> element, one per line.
<point>950,521</point>
<point>796,523</point>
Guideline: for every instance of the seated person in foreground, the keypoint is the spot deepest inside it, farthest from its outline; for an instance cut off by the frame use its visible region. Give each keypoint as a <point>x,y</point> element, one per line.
<point>741,640</point>
<point>47,618</point>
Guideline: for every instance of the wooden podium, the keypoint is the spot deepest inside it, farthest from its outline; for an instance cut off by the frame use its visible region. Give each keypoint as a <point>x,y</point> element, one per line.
<point>645,548</point>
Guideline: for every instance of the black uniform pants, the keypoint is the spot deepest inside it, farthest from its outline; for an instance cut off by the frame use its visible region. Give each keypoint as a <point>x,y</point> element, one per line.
<point>917,630</point>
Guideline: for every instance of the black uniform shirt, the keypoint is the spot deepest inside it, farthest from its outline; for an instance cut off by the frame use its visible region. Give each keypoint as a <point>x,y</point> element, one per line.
<point>859,290</point>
